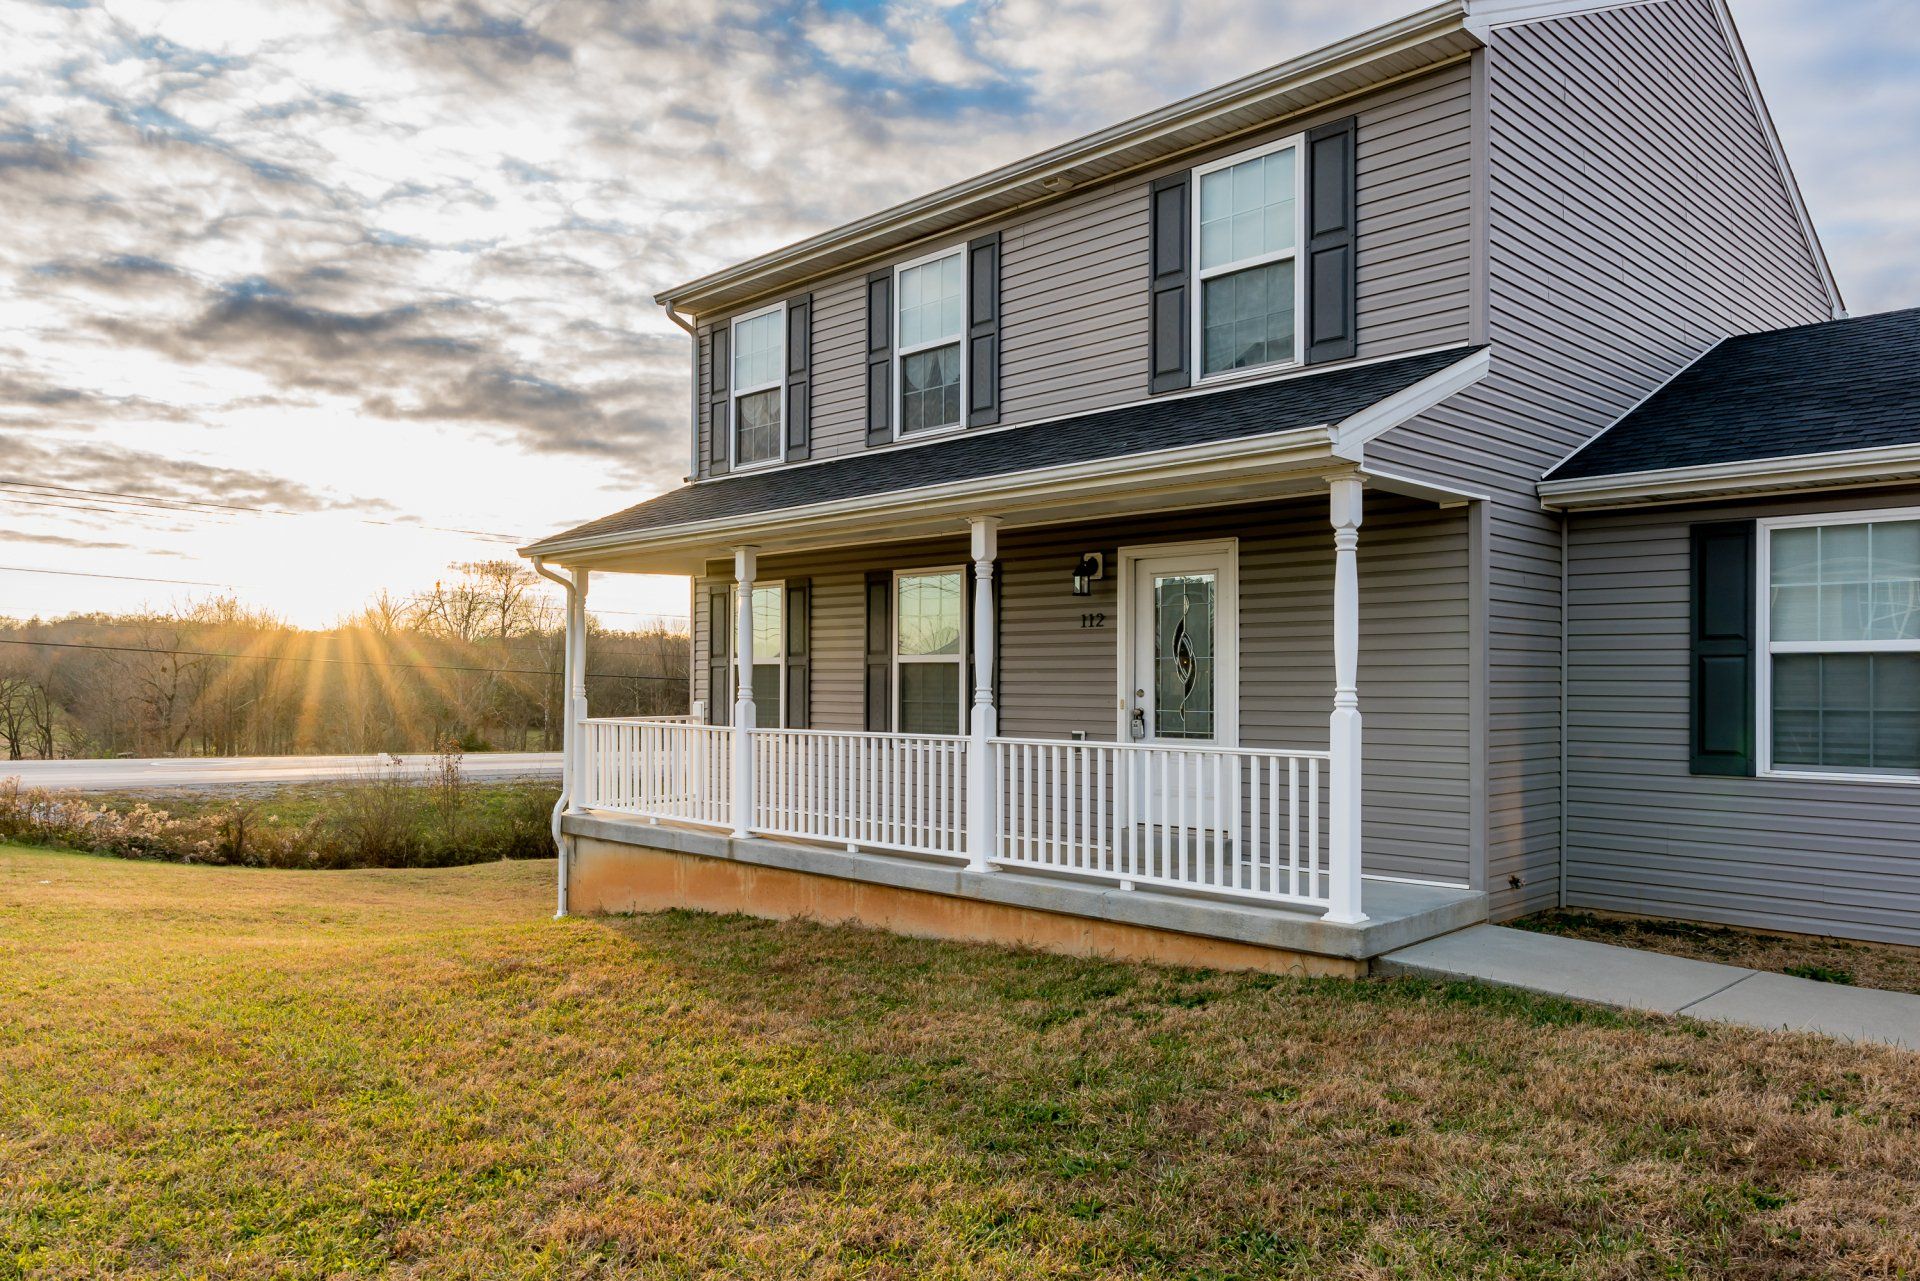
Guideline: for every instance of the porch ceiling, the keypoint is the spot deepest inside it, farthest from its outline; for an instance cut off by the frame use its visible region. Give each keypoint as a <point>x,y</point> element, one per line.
<point>1251,443</point>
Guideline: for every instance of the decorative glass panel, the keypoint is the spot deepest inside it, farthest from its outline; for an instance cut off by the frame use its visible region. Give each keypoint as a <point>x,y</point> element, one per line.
<point>756,351</point>
<point>930,616</point>
<point>1847,711</point>
<point>930,698</point>
<point>766,621</point>
<point>1248,210</point>
<point>1854,582</point>
<point>930,302</point>
<point>757,427</point>
<point>930,389</point>
<point>1246,318</point>
<point>1183,656</point>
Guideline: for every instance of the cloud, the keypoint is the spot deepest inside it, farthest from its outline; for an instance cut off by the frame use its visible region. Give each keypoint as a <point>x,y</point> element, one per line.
<point>105,470</point>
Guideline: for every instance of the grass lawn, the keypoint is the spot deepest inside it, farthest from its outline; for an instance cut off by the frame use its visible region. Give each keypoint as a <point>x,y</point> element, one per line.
<point>1825,960</point>
<point>221,1072</point>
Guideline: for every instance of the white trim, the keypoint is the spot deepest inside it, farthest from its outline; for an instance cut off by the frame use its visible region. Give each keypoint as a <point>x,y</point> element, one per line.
<point>1765,647</point>
<point>1841,468</point>
<point>1398,39</point>
<point>900,352</point>
<point>1258,376</point>
<point>1484,16</point>
<point>735,391</point>
<point>964,573</point>
<point>1226,665</point>
<point>1353,433</point>
<point>1293,253</point>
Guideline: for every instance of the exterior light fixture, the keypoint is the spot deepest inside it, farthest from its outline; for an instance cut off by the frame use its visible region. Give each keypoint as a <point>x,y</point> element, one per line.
<point>1091,569</point>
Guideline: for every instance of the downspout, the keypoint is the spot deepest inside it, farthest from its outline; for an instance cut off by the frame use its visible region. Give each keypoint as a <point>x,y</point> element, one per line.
<point>561,844</point>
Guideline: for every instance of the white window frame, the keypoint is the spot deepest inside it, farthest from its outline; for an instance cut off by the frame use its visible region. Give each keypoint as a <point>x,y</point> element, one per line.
<point>735,391</point>
<point>893,643</point>
<point>1765,647</point>
<point>1195,328</point>
<point>780,659</point>
<point>900,352</point>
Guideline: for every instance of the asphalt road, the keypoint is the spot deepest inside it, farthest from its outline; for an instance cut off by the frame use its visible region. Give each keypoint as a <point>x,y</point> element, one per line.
<point>212,772</point>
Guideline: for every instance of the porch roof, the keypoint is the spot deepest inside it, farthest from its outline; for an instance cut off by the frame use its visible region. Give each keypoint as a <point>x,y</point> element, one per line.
<point>1295,403</point>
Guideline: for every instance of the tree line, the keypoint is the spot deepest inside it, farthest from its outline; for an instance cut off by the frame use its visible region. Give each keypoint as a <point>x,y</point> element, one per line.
<point>473,662</point>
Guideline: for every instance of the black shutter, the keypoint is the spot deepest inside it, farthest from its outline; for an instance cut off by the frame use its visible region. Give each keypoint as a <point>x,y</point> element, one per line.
<point>880,357</point>
<point>983,331</point>
<point>799,376</point>
<point>799,653</point>
<point>719,420</point>
<point>879,651</point>
<point>719,685</point>
<point>1168,253</point>
<point>1331,319</point>
<point>1722,650</point>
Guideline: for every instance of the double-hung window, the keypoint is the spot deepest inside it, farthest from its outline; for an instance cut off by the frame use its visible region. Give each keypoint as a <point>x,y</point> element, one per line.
<point>759,344</point>
<point>769,653</point>
<point>1840,632</point>
<point>1247,210</point>
<point>929,314</point>
<point>929,649</point>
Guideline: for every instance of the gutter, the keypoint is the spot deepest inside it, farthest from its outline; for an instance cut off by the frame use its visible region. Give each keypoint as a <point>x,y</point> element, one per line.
<point>563,844</point>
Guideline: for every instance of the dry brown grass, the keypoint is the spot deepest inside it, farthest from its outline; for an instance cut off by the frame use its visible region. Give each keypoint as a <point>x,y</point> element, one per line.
<point>1830,960</point>
<point>226,1073</point>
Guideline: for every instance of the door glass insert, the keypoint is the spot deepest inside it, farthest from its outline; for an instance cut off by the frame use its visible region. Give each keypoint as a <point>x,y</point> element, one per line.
<point>1183,656</point>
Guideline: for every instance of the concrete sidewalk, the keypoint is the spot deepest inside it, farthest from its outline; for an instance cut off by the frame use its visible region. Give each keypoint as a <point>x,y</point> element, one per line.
<point>1663,984</point>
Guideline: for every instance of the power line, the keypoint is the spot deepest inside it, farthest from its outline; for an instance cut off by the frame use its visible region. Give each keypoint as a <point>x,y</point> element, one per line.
<point>235,587</point>
<point>197,507</point>
<point>317,658</point>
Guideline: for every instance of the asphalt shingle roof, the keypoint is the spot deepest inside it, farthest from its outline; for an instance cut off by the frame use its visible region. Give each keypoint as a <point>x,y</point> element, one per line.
<point>1842,384</point>
<point>1308,401</point>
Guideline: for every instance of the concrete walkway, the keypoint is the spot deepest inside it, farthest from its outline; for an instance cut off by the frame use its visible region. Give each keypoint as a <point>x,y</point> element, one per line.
<point>1663,984</point>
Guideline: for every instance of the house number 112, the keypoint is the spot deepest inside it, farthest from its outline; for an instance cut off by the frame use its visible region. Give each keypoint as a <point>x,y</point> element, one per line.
<point>1092,620</point>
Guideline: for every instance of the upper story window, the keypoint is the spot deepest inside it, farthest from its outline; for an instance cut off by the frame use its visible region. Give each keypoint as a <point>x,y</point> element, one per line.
<point>929,315</point>
<point>1841,659</point>
<point>759,342</point>
<point>1247,306</point>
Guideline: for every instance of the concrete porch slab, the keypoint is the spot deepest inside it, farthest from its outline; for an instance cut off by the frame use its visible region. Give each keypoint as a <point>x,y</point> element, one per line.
<point>1398,914</point>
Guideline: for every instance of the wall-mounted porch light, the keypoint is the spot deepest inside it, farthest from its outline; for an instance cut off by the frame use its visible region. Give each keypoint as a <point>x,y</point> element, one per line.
<point>1092,568</point>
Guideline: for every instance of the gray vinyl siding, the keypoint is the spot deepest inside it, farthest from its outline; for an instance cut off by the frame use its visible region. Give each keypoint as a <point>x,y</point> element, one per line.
<point>1057,678</point>
<point>1635,216</point>
<point>1646,836</point>
<point>1074,271</point>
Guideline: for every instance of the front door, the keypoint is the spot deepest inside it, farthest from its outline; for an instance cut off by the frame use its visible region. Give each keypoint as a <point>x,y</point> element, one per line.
<point>1180,674</point>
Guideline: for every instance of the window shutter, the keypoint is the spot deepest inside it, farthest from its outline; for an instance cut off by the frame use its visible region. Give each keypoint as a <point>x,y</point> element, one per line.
<point>879,651</point>
<point>983,331</point>
<point>1168,215</point>
<point>799,376</point>
<point>719,420</point>
<point>880,357</point>
<point>1332,322</point>
<point>719,683</point>
<point>1722,657</point>
<point>799,653</point>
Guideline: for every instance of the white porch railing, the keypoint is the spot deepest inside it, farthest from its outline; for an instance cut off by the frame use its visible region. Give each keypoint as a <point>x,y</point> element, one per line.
<point>1244,822</point>
<point>1240,821</point>
<point>888,791</point>
<point>668,767</point>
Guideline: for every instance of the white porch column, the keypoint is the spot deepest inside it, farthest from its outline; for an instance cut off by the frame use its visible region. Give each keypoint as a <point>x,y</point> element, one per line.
<point>1343,731</point>
<point>574,734</point>
<point>744,564</point>
<point>984,725</point>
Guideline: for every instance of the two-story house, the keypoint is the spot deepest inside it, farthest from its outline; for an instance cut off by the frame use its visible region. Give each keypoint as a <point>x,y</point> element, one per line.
<point>1139,548</point>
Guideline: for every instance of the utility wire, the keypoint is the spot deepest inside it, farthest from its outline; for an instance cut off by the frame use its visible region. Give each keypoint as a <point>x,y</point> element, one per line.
<point>316,658</point>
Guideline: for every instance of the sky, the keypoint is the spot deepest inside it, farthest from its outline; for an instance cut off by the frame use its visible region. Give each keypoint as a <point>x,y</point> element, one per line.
<point>302,301</point>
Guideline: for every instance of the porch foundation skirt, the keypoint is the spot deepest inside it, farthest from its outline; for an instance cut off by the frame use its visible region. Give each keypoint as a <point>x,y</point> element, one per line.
<point>621,866</point>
